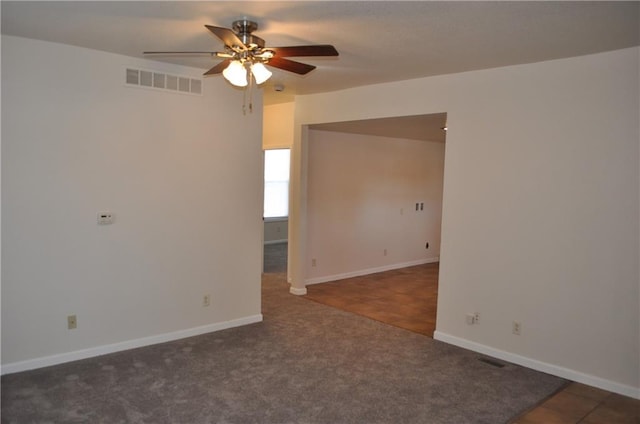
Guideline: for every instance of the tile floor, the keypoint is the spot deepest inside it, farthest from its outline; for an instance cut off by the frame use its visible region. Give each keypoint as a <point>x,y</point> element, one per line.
<point>582,404</point>
<point>407,298</point>
<point>404,297</point>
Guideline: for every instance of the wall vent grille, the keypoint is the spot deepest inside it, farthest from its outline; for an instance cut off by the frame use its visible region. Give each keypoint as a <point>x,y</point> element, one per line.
<point>161,81</point>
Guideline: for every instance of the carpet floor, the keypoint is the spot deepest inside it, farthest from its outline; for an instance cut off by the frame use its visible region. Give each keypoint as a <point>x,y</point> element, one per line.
<point>275,257</point>
<point>305,363</point>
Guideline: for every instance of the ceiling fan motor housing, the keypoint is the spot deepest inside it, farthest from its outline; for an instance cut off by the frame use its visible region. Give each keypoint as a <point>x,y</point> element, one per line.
<point>244,28</point>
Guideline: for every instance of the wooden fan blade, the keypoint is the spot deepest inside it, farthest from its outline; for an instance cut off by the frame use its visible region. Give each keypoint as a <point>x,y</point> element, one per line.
<point>181,53</point>
<point>290,65</point>
<point>218,68</point>
<point>316,50</point>
<point>228,37</point>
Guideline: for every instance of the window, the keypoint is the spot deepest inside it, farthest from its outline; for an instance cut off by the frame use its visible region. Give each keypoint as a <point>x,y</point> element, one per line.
<point>276,183</point>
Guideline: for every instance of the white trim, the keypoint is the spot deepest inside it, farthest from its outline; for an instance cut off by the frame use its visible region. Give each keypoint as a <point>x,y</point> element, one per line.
<point>558,371</point>
<point>298,291</point>
<point>276,241</point>
<point>368,271</point>
<point>129,344</point>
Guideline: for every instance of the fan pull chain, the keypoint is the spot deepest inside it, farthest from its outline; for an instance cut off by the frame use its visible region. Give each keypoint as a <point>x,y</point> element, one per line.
<point>244,100</point>
<point>250,93</point>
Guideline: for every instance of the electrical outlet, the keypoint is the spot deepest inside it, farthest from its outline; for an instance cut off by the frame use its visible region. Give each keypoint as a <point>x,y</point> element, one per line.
<point>105,218</point>
<point>72,322</point>
<point>476,318</point>
<point>206,300</point>
<point>471,318</point>
<point>426,246</point>
<point>517,328</point>
<point>313,262</point>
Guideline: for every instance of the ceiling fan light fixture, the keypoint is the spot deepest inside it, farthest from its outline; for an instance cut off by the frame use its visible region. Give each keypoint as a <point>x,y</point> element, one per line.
<point>264,54</point>
<point>236,74</point>
<point>260,72</point>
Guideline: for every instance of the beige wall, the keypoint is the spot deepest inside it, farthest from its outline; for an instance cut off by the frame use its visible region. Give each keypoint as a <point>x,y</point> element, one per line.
<point>277,127</point>
<point>540,208</point>
<point>171,167</point>
<point>361,196</point>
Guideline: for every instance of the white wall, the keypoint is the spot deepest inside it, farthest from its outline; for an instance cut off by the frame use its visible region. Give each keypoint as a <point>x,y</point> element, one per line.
<point>540,210</point>
<point>276,230</point>
<point>361,196</point>
<point>76,141</point>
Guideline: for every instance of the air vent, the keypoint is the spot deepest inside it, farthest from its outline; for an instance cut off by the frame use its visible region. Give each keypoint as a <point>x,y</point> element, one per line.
<point>133,76</point>
<point>158,80</point>
<point>183,84</point>
<point>172,82</point>
<point>196,86</point>
<point>146,78</point>
<point>161,81</point>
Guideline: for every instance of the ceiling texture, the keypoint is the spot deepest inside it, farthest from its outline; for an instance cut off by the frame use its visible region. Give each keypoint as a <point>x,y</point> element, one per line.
<point>378,41</point>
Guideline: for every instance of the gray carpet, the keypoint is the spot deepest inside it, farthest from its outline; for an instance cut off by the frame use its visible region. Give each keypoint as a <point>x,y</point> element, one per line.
<point>275,257</point>
<point>306,363</point>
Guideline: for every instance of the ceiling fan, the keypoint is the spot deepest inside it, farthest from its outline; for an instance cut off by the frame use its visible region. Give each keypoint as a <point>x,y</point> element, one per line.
<point>245,55</point>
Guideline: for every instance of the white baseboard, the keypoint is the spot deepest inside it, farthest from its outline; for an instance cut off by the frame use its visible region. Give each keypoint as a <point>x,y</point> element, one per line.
<point>318,280</point>
<point>567,373</point>
<point>276,241</point>
<point>129,344</point>
<point>298,291</point>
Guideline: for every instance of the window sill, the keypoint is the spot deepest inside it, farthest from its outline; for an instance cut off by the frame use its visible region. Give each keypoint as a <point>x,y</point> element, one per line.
<point>276,219</point>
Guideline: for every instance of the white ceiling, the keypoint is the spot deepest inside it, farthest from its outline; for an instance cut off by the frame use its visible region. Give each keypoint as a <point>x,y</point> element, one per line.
<point>378,41</point>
